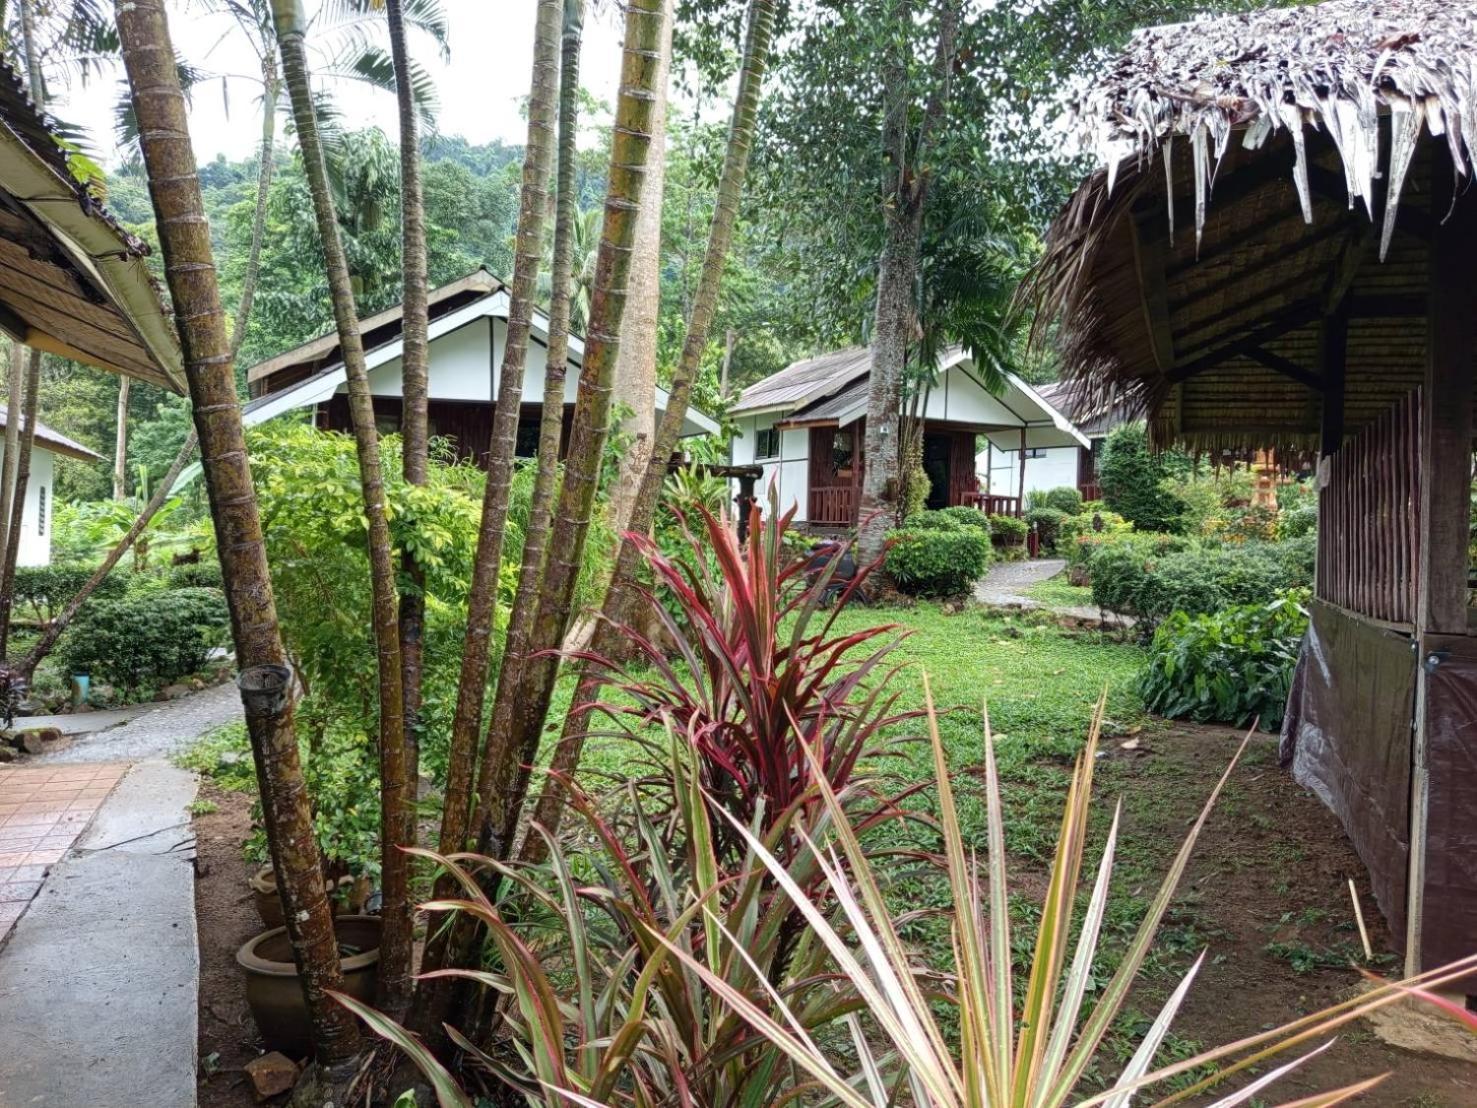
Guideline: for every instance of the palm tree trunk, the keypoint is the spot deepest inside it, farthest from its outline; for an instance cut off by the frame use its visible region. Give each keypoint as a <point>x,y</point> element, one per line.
<point>621,597</point>
<point>120,442</point>
<point>635,368</point>
<point>482,602</point>
<point>396,794</point>
<point>189,268</point>
<point>18,503</point>
<point>270,86</point>
<point>53,630</point>
<point>414,422</point>
<point>504,779</point>
<point>14,401</point>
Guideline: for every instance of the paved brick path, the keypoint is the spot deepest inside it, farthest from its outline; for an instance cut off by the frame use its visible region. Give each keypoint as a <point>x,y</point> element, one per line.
<point>42,811</point>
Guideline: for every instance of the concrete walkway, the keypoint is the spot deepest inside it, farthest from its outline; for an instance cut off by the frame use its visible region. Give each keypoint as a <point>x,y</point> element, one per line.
<point>1006,585</point>
<point>159,732</point>
<point>99,978</point>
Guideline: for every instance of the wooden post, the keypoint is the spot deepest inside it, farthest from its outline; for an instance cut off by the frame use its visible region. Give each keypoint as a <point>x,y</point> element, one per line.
<point>1445,489</point>
<point>1020,504</point>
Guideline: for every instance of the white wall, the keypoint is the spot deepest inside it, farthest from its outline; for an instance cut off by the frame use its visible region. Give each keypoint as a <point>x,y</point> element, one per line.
<point>790,472</point>
<point>35,542</point>
<point>1057,469</point>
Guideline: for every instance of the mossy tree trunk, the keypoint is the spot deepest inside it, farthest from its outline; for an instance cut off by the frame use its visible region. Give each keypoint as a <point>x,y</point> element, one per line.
<point>619,601</point>
<point>184,236</point>
<point>435,996</point>
<point>396,792</point>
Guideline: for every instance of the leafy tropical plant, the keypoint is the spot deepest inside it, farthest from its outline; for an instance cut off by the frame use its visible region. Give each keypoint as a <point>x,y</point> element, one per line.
<point>761,688</point>
<point>148,637</point>
<point>1233,666</point>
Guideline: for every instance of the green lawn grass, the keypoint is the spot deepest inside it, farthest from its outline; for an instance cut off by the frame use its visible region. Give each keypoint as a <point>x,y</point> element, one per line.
<point>1056,592</point>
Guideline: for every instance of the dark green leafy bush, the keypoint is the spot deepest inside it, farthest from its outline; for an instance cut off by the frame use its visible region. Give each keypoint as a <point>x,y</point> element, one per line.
<point>967,517</point>
<point>1153,576</point>
<point>1118,571</point>
<point>1232,666</point>
<point>1132,477</point>
<point>933,520</point>
<point>201,575</point>
<point>1008,529</point>
<point>1064,499</point>
<point>1047,521</point>
<point>1299,521</point>
<point>142,640</point>
<point>937,563</point>
<point>44,590</point>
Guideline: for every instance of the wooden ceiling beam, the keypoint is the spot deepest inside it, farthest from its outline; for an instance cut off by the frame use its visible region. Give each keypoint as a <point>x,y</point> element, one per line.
<point>1285,366</point>
<point>1294,316</point>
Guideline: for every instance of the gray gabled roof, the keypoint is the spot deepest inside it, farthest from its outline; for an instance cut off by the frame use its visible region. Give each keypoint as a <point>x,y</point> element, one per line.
<point>805,382</point>
<point>55,441</point>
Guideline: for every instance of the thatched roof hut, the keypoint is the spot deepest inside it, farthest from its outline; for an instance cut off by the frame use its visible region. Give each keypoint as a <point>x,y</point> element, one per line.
<point>1280,249</point>
<point>1251,167</point>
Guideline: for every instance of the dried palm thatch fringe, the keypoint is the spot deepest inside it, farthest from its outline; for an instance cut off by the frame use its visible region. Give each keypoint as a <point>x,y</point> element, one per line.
<point>1338,67</point>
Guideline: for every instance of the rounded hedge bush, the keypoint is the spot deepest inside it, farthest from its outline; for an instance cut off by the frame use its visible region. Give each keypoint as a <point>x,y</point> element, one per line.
<point>200,575</point>
<point>1047,522</point>
<point>46,589</point>
<point>142,640</point>
<point>934,519</point>
<point>937,562</point>
<point>967,517</point>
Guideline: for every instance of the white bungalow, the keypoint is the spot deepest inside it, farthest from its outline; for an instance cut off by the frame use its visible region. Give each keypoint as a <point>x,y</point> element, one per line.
<point>1053,467</point>
<point>806,425</point>
<point>468,329</point>
<point>35,540</point>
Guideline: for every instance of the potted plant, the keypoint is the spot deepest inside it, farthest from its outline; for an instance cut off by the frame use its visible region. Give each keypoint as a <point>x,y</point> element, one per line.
<point>275,994</point>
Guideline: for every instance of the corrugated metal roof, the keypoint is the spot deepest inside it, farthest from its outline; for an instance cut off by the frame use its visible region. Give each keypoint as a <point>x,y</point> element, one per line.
<point>837,407</point>
<point>806,381</point>
<point>54,441</point>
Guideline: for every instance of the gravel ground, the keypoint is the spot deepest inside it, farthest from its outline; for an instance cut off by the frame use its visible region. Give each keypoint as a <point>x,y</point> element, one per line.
<point>165,730</point>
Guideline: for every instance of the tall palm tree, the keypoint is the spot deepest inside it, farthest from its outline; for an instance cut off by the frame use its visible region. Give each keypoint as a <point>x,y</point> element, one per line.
<point>396,792</point>
<point>190,271</point>
<point>525,703</point>
<point>414,418</point>
<point>476,645</point>
<point>348,50</point>
<point>621,596</point>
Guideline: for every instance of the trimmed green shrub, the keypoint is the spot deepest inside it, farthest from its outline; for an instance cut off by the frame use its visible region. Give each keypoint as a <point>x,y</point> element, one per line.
<point>1299,521</point>
<point>1064,498</point>
<point>1008,529</point>
<point>932,520</point>
<point>967,517</point>
<point>1118,571</point>
<point>200,575</point>
<point>1046,521</point>
<point>937,563</point>
<point>138,641</point>
<point>1232,666</point>
<point>45,590</point>
<point>1133,476</point>
<point>1152,577</point>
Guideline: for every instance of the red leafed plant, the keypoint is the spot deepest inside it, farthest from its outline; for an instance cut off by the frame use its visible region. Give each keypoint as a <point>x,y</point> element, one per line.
<point>758,674</point>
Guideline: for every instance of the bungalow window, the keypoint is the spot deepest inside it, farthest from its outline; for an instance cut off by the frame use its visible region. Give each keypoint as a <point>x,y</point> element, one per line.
<point>1036,452</point>
<point>766,443</point>
<point>41,510</point>
<point>843,452</point>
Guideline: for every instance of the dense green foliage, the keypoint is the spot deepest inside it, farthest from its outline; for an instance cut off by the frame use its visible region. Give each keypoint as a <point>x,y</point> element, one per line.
<point>1133,480</point>
<point>1230,666</point>
<point>1047,521</point>
<point>937,562</point>
<point>1064,499</point>
<point>149,637</point>
<point>1152,579</point>
<point>42,591</point>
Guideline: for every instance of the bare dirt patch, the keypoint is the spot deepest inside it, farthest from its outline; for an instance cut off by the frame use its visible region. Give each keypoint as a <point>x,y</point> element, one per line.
<point>1267,895</point>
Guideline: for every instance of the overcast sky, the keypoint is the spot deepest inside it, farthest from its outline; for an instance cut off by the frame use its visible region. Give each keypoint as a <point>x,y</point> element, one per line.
<point>480,88</point>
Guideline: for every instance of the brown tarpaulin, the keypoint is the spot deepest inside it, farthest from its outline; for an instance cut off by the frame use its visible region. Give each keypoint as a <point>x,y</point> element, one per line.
<point>1347,734</point>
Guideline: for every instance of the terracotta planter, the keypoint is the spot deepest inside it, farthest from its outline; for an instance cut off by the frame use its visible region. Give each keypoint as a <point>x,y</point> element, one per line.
<point>269,904</point>
<point>273,990</point>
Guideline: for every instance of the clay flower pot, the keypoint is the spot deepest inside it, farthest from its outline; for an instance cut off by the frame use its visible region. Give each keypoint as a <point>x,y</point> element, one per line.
<point>275,994</point>
<point>269,905</point>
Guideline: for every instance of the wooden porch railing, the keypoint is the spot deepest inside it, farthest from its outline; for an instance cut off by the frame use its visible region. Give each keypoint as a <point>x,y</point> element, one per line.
<point>833,506</point>
<point>1369,518</point>
<point>994,505</point>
